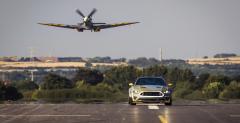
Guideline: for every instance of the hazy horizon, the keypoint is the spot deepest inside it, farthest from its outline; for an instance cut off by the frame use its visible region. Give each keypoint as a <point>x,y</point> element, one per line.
<point>184,29</point>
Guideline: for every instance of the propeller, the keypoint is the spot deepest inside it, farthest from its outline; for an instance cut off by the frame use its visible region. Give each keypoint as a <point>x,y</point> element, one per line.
<point>80,13</point>
<point>92,12</point>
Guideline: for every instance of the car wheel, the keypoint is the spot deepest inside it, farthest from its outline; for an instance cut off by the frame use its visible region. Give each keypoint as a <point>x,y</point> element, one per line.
<point>130,101</point>
<point>168,102</point>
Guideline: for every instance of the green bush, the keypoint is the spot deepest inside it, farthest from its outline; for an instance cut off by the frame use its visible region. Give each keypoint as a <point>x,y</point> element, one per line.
<point>89,76</point>
<point>25,85</point>
<point>101,91</point>
<point>212,90</point>
<point>27,95</point>
<point>53,81</point>
<point>182,89</point>
<point>232,91</point>
<point>195,95</point>
<point>1,91</point>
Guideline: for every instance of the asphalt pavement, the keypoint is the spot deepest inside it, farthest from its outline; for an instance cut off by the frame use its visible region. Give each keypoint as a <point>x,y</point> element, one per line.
<point>119,113</point>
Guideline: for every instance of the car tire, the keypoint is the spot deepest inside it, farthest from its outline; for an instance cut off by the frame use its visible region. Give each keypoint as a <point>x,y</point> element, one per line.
<point>168,103</point>
<point>130,101</point>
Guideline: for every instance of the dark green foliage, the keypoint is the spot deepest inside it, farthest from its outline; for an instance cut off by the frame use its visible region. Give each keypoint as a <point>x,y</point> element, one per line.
<point>26,85</point>
<point>144,62</point>
<point>1,90</point>
<point>236,78</point>
<point>201,80</point>
<point>224,55</point>
<point>53,81</point>
<point>89,76</point>
<point>182,89</point>
<point>99,92</point>
<point>232,91</point>
<point>174,75</point>
<point>113,81</point>
<point>177,74</point>
<point>11,93</point>
<point>88,64</point>
<point>219,78</point>
<point>187,75</point>
<point>196,95</point>
<point>213,89</point>
<point>155,71</point>
<point>122,75</point>
<point>106,59</point>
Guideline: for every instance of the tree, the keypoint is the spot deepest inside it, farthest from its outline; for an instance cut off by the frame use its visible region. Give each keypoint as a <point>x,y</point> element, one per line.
<point>2,90</point>
<point>201,80</point>
<point>232,91</point>
<point>11,93</point>
<point>219,78</point>
<point>212,90</point>
<point>174,75</point>
<point>187,75</point>
<point>144,62</point>
<point>224,55</point>
<point>88,64</point>
<point>26,85</point>
<point>89,76</point>
<point>236,78</point>
<point>121,76</point>
<point>155,71</point>
<point>53,81</point>
<point>205,57</point>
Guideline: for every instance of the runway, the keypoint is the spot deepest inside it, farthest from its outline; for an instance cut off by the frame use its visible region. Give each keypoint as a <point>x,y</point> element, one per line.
<point>119,113</point>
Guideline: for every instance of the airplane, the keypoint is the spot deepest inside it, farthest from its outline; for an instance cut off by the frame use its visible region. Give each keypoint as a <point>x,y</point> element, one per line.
<point>87,23</point>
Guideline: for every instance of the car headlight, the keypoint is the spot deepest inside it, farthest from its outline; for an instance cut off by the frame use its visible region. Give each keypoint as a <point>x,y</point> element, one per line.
<point>135,91</point>
<point>165,90</point>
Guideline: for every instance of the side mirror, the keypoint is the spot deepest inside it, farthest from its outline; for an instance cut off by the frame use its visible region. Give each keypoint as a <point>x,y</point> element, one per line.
<point>130,84</point>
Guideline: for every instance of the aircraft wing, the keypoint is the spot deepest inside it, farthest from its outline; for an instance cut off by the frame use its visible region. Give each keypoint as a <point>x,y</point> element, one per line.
<point>59,25</point>
<point>114,25</point>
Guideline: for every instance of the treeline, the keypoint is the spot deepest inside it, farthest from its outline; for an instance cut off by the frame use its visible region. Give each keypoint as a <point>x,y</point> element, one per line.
<point>8,92</point>
<point>112,84</point>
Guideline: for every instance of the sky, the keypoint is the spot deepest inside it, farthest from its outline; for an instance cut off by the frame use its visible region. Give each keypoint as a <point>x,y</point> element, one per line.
<point>182,28</point>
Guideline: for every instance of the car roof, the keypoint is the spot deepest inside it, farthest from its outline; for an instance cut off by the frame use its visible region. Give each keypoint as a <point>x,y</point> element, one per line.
<point>150,77</point>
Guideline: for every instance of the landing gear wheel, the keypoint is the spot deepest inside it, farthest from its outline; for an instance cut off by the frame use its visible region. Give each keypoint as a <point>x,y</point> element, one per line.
<point>168,102</point>
<point>130,101</point>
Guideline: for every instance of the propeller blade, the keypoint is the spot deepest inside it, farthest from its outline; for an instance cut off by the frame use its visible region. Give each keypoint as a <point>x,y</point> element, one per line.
<point>80,13</point>
<point>92,12</point>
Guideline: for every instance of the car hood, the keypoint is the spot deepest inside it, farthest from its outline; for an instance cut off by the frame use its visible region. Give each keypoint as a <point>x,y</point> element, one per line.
<point>149,87</point>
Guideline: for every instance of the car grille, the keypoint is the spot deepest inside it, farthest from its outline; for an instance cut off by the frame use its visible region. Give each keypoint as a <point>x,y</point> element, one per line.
<point>151,94</point>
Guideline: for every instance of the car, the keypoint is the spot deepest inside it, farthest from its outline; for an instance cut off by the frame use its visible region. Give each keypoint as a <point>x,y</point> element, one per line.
<point>150,89</point>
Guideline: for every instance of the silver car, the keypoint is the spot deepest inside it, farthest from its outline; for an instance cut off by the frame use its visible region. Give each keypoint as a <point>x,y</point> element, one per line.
<point>149,89</point>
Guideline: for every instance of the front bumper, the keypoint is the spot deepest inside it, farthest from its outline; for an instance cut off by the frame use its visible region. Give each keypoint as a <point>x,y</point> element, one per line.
<point>163,97</point>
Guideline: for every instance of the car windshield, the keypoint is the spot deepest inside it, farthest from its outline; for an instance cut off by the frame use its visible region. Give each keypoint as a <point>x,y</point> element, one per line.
<point>150,81</point>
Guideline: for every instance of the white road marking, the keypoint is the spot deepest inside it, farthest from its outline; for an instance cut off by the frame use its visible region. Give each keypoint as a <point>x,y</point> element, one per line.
<point>27,112</point>
<point>234,115</point>
<point>45,115</point>
<point>159,104</point>
<point>153,107</point>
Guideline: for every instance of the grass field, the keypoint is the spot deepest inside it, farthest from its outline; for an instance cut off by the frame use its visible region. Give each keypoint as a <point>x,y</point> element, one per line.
<point>214,61</point>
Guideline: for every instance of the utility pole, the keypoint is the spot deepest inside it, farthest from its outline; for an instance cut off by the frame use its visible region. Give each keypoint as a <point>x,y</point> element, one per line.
<point>32,62</point>
<point>161,58</point>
